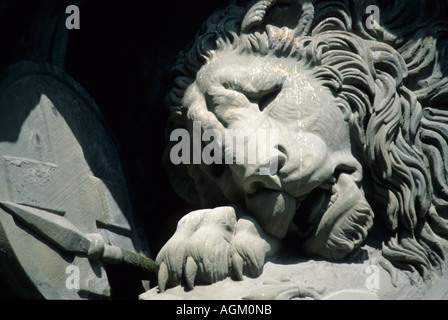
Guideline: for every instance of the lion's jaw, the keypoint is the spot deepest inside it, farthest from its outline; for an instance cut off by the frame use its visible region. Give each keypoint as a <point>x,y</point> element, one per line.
<point>315,190</point>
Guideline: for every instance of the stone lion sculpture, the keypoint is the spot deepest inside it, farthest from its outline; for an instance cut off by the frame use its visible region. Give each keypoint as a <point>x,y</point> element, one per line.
<point>361,118</point>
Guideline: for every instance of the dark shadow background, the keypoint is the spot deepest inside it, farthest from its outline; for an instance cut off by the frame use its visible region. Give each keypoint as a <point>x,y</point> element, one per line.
<point>120,55</point>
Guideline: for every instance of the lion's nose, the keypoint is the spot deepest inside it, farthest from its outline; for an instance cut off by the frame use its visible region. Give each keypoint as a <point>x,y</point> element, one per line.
<point>264,173</point>
<point>297,169</point>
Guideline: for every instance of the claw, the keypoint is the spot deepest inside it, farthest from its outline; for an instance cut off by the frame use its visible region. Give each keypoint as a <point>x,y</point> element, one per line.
<point>237,263</point>
<point>254,265</point>
<point>191,269</point>
<point>253,271</point>
<point>163,276</point>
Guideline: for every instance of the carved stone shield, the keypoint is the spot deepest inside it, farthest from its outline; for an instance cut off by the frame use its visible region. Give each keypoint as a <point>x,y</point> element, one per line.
<point>58,158</point>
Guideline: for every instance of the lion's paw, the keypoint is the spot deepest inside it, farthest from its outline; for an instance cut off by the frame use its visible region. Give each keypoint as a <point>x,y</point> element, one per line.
<point>211,245</point>
<point>250,248</point>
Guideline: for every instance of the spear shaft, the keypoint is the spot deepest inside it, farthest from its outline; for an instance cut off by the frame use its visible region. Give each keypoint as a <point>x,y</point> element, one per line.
<point>65,235</point>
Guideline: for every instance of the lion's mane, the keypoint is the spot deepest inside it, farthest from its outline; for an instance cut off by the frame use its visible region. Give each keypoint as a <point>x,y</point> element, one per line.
<point>392,79</point>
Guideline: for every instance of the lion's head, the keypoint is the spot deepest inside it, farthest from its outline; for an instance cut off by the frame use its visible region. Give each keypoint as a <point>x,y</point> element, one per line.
<point>362,134</point>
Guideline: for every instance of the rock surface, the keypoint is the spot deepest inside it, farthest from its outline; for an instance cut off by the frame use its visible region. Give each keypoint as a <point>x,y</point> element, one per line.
<point>293,278</point>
